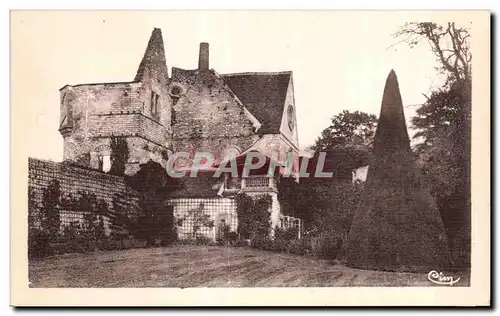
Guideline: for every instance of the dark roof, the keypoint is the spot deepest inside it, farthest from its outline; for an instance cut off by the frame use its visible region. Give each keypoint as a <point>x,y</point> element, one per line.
<point>263,94</point>
<point>241,163</point>
<point>184,75</point>
<point>203,185</point>
<point>118,83</point>
<point>341,162</point>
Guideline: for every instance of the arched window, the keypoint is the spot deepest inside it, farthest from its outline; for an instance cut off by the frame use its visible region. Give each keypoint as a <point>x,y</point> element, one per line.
<point>103,154</point>
<point>104,162</point>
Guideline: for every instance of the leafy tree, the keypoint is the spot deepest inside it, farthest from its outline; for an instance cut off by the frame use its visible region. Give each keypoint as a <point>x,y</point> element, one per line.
<point>320,204</point>
<point>155,219</point>
<point>348,130</point>
<point>347,143</point>
<point>119,155</point>
<point>120,217</point>
<point>38,239</point>
<point>33,212</point>
<point>51,202</point>
<point>253,215</point>
<point>91,233</point>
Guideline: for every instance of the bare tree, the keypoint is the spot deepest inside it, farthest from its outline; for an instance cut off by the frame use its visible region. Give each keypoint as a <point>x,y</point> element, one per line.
<point>450,44</point>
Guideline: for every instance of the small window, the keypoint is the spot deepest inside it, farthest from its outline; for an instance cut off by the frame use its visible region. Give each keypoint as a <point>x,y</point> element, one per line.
<point>104,162</point>
<point>176,90</point>
<point>154,104</point>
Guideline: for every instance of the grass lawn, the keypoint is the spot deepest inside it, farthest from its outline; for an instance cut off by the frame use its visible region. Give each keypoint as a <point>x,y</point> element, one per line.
<point>206,266</point>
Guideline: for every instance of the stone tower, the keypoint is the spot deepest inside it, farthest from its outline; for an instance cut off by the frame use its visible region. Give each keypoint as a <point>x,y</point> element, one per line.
<point>139,110</point>
<point>397,226</point>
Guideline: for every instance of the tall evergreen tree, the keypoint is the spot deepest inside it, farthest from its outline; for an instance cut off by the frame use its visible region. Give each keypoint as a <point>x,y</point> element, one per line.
<point>397,226</point>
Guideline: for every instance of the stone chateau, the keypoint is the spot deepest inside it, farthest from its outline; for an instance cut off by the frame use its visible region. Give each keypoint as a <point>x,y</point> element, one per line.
<point>191,110</point>
<point>159,115</point>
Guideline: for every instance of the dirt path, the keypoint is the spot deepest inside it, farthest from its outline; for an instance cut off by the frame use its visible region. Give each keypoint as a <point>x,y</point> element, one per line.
<point>205,266</point>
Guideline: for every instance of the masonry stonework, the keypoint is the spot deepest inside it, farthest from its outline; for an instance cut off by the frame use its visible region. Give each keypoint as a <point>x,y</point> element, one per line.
<point>159,115</point>
<point>208,116</point>
<point>74,180</point>
<point>92,113</point>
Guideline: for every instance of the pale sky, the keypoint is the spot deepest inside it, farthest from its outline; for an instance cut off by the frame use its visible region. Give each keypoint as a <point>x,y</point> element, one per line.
<point>340,60</point>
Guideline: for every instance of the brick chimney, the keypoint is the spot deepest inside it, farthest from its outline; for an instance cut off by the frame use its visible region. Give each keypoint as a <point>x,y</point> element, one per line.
<point>204,57</point>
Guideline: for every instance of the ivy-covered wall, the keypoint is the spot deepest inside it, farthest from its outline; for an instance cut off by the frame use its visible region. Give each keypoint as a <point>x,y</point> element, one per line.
<point>72,181</point>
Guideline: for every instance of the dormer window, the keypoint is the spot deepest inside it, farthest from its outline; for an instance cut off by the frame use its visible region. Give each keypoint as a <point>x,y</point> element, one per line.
<point>154,104</point>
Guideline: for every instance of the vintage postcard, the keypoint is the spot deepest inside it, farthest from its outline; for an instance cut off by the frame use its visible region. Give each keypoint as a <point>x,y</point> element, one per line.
<point>269,158</point>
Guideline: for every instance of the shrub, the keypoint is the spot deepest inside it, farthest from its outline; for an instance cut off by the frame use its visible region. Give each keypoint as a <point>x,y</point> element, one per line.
<point>232,237</point>
<point>38,243</point>
<point>122,244</point>
<point>298,247</point>
<point>203,240</point>
<point>222,234</point>
<point>265,243</point>
<point>288,234</point>
<point>326,246</point>
<point>227,237</point>
<point>254,217</point>
<point>71,239</point>
<point>49,211</point>
<point>397,226</point>
<point>285,241</point>
<point>137,243</point>
<point>280,245</point>
<point>258,242</point>
<point>199,240</point>
<point>154,220</point>
<point>242,243</point>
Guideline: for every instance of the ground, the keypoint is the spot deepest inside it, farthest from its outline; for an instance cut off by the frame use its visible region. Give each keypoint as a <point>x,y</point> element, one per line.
<point>205,266</point>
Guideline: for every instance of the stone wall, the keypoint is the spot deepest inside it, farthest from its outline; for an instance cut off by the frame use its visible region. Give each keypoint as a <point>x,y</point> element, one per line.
<point>92,113</point>
<point>72,181</point>
<point>207,115</point>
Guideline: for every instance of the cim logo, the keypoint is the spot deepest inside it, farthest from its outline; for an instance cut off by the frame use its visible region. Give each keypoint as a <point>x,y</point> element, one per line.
<point>440,278</point>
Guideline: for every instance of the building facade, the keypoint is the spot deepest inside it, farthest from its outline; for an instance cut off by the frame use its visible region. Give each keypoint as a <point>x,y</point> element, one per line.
<point>191,110</point>
<point>188,111</point>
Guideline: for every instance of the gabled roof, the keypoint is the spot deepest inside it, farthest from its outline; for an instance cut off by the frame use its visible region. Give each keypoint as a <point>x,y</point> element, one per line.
<point>241,162</point>
<point>263,94</point>
<point>211,77</point>
<point>203,185</point>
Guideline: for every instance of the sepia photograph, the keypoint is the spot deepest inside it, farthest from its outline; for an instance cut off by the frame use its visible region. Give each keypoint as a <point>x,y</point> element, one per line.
<point>261,150</point>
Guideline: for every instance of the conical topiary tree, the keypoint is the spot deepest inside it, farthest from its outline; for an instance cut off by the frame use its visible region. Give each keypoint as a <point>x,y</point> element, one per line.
<point>397,226</point>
